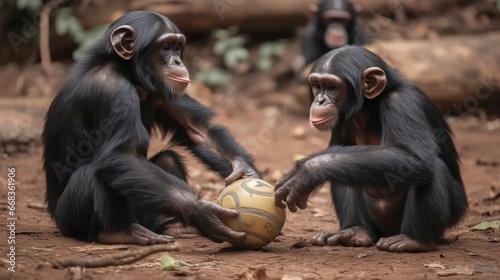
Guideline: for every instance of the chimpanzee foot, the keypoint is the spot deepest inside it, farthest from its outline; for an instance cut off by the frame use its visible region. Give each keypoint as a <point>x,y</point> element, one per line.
<point>137,235</point>
<point>355,236</point>
<point>179,230</point>
<point>403,243</point>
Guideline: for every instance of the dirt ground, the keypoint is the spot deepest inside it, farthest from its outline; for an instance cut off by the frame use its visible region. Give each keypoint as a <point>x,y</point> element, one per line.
<point>275,138</point>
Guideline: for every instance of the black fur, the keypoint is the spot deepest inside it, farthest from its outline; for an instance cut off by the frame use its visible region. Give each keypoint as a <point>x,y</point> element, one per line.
<point>416,152</point>
<point>97,133</point>
<point>313,43</point>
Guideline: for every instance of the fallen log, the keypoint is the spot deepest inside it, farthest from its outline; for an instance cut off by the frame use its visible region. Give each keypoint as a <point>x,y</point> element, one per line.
<point>195,16</point>
<point>459,73</point>
<point>416,8</point>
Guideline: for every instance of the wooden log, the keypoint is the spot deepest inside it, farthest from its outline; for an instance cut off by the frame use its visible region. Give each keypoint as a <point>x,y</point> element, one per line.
<point>199,16</point>
<point>455,72</point>
<point>417,8</point>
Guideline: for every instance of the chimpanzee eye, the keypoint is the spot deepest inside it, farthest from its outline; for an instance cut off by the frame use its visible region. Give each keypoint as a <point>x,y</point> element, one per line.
<point>178,46</point>
<point>331,87</point>
<point>316,85</point>
<point>166,46</point>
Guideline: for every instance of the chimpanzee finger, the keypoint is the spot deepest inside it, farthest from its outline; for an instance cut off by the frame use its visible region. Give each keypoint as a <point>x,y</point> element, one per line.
<point>292,200</point>
<point>291,204</point>
<point>237,174</point>
<point>221,233</point>
<point>226,213</point>
<point>233,237</point>
<point>222,212</point>
<point>279,197</point>
<point>302,202</point>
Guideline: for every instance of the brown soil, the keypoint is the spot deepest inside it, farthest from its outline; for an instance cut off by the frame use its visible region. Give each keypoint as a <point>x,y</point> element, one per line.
<point>271,139</point>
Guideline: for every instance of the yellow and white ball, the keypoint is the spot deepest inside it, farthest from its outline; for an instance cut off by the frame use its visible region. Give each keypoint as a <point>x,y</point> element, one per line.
<point>258,216</point>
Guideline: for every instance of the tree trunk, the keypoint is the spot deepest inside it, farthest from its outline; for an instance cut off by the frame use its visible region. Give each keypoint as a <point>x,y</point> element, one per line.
<point>455,72</point>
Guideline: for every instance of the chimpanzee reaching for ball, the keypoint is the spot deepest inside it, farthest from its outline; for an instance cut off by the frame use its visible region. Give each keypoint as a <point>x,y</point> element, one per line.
<point>391,161</point>
<point>100,184</point>
<point>333,26</point>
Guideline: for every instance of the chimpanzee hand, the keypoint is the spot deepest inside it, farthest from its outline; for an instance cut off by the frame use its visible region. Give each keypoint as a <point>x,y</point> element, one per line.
<point>241,169</point>
<point>291,173</point>
<point>208,222</point>
<point>294,188</point>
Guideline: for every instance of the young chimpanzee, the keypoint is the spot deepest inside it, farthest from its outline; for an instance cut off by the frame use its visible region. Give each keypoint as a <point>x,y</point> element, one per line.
<point>334,26</point>
<point>100,185</point>
<point>391,161</point>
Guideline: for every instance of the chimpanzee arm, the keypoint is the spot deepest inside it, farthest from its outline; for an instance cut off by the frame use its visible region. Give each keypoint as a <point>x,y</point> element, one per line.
<point>213,144</point>
<point>405,158</point>
<point>121,167</point>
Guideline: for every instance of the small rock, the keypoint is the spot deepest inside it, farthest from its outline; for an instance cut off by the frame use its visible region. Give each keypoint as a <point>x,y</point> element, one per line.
<point>275,176</point>
<point>16,127</point>
<point>299,132</point>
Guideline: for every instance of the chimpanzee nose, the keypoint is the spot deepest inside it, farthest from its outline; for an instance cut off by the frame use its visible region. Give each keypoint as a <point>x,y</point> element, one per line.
<point>177,61</point>
<point>320,99</point>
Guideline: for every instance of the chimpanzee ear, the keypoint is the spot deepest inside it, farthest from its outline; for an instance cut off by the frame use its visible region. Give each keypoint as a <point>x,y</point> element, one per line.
<point>374,81</point>
<point>123,41</point>
<point>313,9</point>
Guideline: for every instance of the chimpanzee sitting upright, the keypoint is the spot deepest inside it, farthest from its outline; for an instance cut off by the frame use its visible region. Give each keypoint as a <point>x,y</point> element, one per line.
<point>333,26</point>
<point>391,161</point>
<point>100,185</point>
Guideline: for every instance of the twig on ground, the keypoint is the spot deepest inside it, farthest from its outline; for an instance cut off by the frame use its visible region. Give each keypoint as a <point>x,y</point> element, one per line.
<point>114,259</point>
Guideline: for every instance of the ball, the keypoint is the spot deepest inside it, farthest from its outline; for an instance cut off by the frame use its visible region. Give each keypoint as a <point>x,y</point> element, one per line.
<point>258,215</point>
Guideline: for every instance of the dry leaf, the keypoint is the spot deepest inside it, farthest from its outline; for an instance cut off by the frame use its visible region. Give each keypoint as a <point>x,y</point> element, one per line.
<point>487,225</point>
<point>458,270</point>
<point>434,265</point>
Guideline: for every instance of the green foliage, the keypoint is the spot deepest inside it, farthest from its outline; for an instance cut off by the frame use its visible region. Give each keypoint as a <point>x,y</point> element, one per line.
<point>214,77</point>
<point>269,51</point>
<point>231,49</point>
<point>66,23</point>
<point>170,263</point>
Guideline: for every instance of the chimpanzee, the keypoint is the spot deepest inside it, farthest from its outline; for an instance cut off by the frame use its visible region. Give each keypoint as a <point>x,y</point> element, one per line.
<point>391,162</point>
<point>100,185</point>
<point>334,26</point>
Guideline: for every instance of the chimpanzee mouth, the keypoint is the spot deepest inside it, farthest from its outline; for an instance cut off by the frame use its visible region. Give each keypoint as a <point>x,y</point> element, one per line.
<point>316,121</point>
<point>184,80</point>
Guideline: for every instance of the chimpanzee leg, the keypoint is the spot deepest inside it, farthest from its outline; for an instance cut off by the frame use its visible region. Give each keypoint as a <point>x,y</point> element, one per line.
<point>353,218</point>
<point>89,211</point>
<point>427,214</point>
<point>172,163</point>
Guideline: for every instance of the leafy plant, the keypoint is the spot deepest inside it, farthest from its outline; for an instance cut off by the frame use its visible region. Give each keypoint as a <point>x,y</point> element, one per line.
<point>170,263</point>
<point>214,77</point>
<point>269,51</point>
<point>66,23</point>
<point>230,48</point>
<point>232,52</point>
